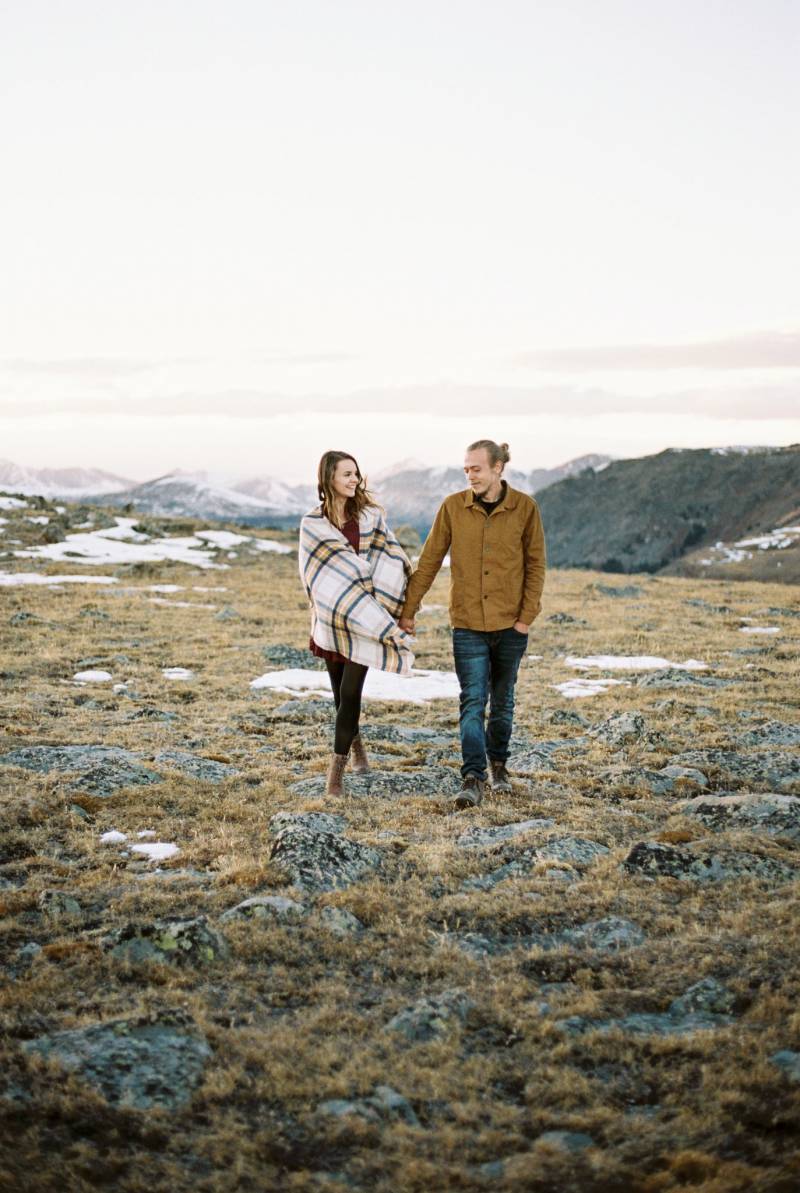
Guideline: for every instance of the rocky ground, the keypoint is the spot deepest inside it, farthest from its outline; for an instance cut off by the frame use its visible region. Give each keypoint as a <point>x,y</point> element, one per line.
<point>216,979</point>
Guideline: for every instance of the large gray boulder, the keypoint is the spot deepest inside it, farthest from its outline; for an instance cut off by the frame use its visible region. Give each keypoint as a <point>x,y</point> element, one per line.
<point>320,861</point>
<point>388,784</point>
<point>177,942</point>
<point>653,859</point>
<point>141,1065</point>
<point>758,812</point>
<point>100,770</point>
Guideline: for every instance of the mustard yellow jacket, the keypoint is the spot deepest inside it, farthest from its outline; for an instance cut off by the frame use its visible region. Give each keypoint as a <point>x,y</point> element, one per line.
<point>497,561</point>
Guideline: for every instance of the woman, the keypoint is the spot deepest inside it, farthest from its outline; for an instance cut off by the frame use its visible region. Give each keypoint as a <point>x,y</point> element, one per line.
<point>355,573</point>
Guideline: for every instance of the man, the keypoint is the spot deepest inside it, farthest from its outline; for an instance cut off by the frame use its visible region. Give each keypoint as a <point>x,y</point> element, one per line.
<point>497,564</point>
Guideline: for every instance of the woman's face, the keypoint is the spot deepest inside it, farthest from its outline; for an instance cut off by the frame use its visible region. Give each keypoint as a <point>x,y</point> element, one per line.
<point>345,479</point>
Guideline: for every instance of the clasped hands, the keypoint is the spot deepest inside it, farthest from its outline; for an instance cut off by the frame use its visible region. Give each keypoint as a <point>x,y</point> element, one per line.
<point>407,624</point>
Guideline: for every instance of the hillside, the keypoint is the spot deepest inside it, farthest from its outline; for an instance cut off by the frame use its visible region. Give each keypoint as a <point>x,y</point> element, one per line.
<point>647,514</point>
<point>219,980</point>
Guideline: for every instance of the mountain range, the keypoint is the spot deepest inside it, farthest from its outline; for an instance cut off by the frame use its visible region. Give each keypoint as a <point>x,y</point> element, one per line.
<point>410,491</point>
<point>706,511</point>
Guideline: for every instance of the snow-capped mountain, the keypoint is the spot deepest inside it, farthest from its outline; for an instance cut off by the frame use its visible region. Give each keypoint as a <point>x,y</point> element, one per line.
<point>73,484</point>
<point>414,494</point>
<point>197,495</point>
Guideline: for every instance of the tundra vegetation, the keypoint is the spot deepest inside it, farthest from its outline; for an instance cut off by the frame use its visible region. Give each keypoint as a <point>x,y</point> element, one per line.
<point>215,979</point>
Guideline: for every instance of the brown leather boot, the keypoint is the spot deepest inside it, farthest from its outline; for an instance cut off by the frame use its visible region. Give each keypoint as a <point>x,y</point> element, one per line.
<point>358,756</point>
<point>334,783</point>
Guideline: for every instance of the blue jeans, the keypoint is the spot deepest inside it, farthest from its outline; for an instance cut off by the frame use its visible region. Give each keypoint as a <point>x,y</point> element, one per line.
<point>487,662</point>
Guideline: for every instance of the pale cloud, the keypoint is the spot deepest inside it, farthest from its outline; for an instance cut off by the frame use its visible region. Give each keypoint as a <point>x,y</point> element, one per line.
<point>760,350</point>
<point>759,403</point>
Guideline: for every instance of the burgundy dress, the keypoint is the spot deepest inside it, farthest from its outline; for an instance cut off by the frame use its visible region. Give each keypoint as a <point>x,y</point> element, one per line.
<point>351,533</point>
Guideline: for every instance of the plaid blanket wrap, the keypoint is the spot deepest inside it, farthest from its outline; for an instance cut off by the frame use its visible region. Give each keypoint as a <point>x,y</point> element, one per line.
<point>357,597</point>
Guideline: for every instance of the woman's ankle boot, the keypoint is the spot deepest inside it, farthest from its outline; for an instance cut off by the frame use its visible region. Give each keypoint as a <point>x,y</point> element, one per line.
<point>358,756</point>
<point>334,784</point>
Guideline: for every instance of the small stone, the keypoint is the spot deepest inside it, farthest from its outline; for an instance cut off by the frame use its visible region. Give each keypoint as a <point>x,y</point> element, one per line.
<point>58,905</point>
<point>205,770</point>
<point>340,921</point>
<point>609,934</point>
<point>432,1017</point>
<point>263,907</point>
<point>620,730</point>
<point>567,1141</point>
<point>707,995</point>
<point>789,1063</point>
<point>484,838</point>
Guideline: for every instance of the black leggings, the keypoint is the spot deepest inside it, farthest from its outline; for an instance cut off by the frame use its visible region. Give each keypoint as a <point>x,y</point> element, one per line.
<point>347,680</point>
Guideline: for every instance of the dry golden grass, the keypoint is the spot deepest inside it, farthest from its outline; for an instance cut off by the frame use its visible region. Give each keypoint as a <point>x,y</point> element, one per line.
<point>296,1015</point>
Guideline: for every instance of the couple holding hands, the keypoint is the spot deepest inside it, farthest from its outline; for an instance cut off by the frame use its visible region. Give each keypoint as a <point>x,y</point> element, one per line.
<point>364,598</point>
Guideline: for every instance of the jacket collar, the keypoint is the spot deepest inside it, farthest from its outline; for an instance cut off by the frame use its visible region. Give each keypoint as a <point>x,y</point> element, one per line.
<point>510,500</point>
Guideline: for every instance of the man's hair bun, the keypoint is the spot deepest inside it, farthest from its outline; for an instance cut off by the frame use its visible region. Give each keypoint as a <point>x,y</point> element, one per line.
<point>498,452</point>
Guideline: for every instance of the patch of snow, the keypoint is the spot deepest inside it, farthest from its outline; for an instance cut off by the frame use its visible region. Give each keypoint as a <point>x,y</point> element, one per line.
<point>123,530</point>
<point>108,547</point>
<point>119,687</point>
<point>271,545</point>
<point>759,629</point>
<point>10,579</point>
<point>157,851</point>
<point>93,677</point>
<point>779,539</point>
<point>416,688</point>
<point>145,833</point>
<point>12,503</point>
<point>39,519</point>
<point>223,538</point>
<point>60,509</point>
<point>177,673</point>
<point>162,588</point>
<point>576,689</point>
<point>113,838</point>
<point>611,662</point>
<point>203,588</point>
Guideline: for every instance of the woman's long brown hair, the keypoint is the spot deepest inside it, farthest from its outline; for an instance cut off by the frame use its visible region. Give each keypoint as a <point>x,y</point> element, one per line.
<point>361,499</point>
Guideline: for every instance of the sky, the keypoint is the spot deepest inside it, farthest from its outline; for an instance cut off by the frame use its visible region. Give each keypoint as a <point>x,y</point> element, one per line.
<point>235,235</point>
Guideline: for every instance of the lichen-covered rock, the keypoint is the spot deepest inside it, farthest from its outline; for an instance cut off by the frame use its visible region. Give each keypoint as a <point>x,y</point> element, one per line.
<point>707,995</point>
<point>567,1141</point>
<point>141,1065</point>
<point>607,935</point>
<point>302,710</point>
<point>635,778</point>
<point>675,677</point>
<point>384,1104</point>
<point>432,1017</point>
<point>325,822</point>
<point>485,838</point>
<point>388,784</point>
<point>319,861</point>
<point>705,1006</point>
<point>683,776</point>
<point>292,658</point>
<point>178,942</point>
<point>340,921</point>
<point>58,905</point>
<point>101,770</point>
<point>656,860</point>
<point>773,733</point>
<point>767,770</point>
<point>622,729</point>
<point>758,812</point>
<point>575,851</point>
<point>408,735</point>
<point>789,1064</point>
<point>206,770</point>
<point>265,907</point>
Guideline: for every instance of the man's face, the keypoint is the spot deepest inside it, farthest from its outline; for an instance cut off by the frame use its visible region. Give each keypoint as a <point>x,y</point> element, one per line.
<point>481,475</point>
